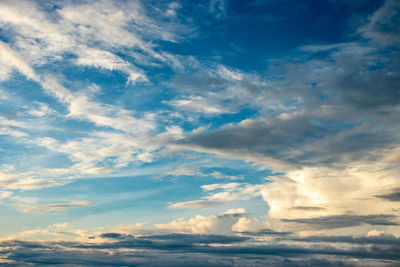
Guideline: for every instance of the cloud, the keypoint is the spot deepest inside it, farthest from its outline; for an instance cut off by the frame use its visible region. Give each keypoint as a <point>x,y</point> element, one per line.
<point>52,207</point>
<point>232,191</point>
<point>187,170</point>
<point>12,132</point>
<point>196,204</point>
<point>32,180</point>
<point>395,196</point>
<point>220,194</point>
<point>313,192</point>
<point>81,106</point>
<point>383,25</point>
<point>12,127</point>
<point>42,110</point>
<point>219,8</point>
<point>109,61</point>
<point>325,119</point>
<point>377,239</point>
<point>92,32</point>
<point>5,194</point>
<point>197,104</point>
<point>10,60</point>
<point>215,89</point>
<point>224,223</point>
<point>207,250</point>
<point>339,221</point>
<point>265,232</point>
<point>309,113</point>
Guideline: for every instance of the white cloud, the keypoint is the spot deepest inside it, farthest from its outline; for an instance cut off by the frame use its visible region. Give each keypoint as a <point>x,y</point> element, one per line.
<point>33,180</point>
<point>198,104</point>
<point>106,60</point>
<point>224,223</point>
<point>59,231</point>
<point>186,170</point>
<point>42,110</point>
<point>52,207</point>
<point>232,191</point>
<point>12,132</point>
<point>375,232</point>
<point>5,194</point>
<point>12,127</point>
<point>9,60</point>
<point>248,224</point>
<point>196,204</point>
<point>81,106</point>
<point>91,31</point>
<point>313,192</point>
<point>228,186</point>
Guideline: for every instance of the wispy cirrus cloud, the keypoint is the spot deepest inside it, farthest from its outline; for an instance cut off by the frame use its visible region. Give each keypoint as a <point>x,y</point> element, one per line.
<point>52,207</point>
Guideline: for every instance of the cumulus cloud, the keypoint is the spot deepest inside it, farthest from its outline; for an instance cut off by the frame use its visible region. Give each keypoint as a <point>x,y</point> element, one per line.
<point>224,223</point>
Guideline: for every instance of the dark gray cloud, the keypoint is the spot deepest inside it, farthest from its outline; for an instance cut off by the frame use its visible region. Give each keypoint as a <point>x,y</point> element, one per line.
<point>114,235</point>
<point>395,196</point>
<point>301,140</point>
<point>265,232</point>
<point>340,221</point>
<point>176,239</point>
<point>343,100</point>
<point>381,240</point>
<point>196,250</point>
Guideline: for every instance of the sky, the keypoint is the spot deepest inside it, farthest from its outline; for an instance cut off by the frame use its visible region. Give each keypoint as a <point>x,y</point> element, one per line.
<point>200,133</point>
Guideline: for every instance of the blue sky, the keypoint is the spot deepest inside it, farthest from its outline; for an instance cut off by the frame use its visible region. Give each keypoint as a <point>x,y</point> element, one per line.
<point>204,133</point>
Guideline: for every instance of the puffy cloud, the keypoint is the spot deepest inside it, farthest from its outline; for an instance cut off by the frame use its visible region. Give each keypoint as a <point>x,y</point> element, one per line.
<point>224,223</point>
<point>317,190</point>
